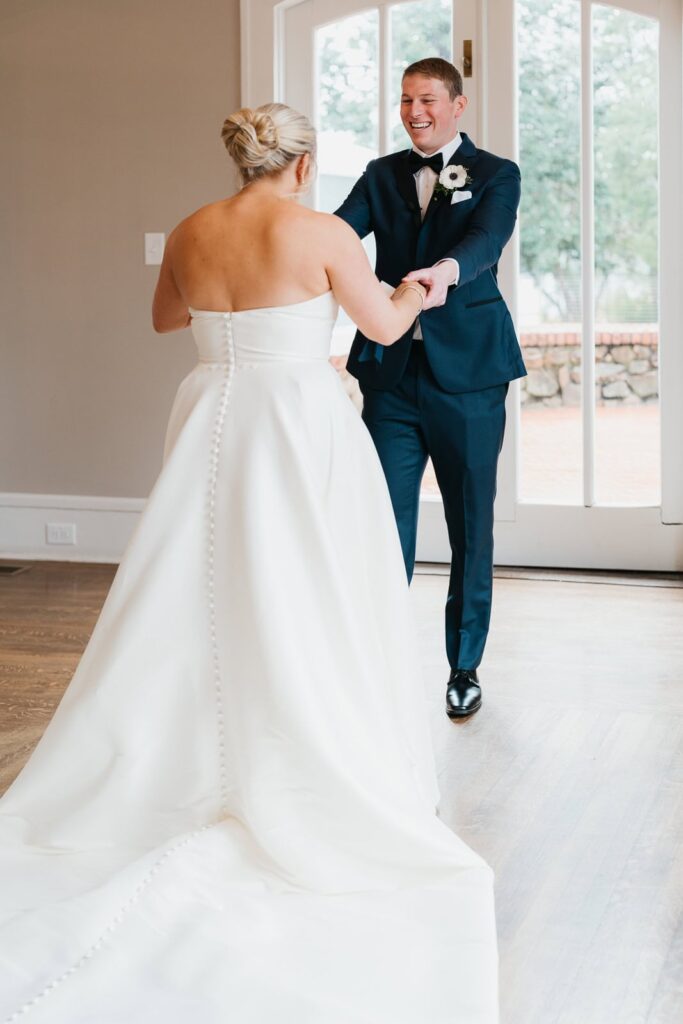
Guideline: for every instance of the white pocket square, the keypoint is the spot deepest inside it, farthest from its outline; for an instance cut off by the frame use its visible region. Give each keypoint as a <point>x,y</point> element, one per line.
<point>460,197</point>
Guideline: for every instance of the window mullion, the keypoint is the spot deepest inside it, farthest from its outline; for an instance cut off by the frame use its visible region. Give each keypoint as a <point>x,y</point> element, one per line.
<point>384,80</point>
<point>587,256</point>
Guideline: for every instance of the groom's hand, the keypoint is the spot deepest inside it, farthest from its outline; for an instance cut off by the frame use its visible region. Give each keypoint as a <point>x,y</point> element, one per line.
<point>436,280</point>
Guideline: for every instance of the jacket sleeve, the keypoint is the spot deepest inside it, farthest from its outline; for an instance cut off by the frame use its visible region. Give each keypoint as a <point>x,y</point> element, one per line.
<point>355,209</point>
<point>490,226</point>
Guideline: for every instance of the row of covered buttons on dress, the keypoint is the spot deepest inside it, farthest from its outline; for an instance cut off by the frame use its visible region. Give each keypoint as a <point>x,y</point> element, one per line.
<point>112,927</point>
<point>228,366</point>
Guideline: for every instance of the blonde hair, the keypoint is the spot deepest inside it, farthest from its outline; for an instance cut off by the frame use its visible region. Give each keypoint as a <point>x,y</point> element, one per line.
<point>264,140</point>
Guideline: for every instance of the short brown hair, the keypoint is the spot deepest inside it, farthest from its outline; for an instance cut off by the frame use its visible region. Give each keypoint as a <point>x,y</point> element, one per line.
<point>437,67</point>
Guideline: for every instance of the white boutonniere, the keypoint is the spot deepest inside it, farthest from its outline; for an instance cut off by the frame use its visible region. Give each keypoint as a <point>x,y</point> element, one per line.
<point>452,178</point>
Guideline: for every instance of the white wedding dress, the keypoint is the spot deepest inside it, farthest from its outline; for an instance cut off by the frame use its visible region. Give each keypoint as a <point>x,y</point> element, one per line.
<point>231,817</point>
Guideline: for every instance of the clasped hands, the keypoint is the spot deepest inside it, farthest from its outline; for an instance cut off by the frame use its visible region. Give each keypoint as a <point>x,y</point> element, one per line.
<point>435,280</point>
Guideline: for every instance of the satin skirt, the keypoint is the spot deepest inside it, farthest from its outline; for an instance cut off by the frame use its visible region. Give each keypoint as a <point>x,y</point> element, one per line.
<point>232,815</point>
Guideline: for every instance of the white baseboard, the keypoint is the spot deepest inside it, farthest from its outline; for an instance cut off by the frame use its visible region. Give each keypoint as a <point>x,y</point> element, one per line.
<point>564,537</point>
<point>103,526</point>
<point>543,536</point>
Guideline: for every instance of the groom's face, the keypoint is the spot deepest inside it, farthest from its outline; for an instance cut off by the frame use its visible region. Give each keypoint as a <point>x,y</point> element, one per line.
<point>428,113</point>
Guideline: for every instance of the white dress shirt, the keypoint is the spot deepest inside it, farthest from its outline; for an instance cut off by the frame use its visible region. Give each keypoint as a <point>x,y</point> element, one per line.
<point>425,180</point>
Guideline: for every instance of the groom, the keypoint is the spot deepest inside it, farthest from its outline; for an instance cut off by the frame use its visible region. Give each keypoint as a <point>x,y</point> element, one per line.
<point>439,392</point>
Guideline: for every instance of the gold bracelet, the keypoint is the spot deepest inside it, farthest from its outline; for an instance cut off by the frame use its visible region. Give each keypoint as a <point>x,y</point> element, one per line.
<point>412,288</point>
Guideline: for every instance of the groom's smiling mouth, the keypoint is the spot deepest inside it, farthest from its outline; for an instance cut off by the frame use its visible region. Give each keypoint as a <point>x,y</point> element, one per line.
<point>419,125</point>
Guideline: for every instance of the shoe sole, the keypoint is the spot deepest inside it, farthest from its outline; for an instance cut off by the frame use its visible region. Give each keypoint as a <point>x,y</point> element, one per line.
<point>463,714</point>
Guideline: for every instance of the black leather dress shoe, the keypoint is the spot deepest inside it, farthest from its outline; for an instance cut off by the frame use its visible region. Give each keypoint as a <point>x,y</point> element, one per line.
<point>463,694</point>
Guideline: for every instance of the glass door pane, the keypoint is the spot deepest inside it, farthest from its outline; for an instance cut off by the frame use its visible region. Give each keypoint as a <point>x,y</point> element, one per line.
<point>627,425</point>
<point>420,28</point>
<point>347,72</point>
<point>549,317</point>
<point>347,119</point>
<point>625,201</point>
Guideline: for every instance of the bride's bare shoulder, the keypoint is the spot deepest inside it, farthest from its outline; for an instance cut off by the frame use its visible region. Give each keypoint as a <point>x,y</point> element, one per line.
<point>207,214</point>
<point>318,219</point>
<point>333,232</point>
<point>313,223</point>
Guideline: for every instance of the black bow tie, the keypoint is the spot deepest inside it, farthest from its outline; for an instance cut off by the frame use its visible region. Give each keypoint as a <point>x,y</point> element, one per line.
<point>417,162</point>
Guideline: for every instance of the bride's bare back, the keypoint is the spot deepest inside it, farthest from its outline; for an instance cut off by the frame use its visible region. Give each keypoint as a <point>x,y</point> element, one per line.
<point>249,251</point>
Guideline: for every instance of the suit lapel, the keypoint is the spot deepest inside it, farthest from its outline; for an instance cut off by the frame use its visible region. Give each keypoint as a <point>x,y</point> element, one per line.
<point>405,182</point>
<point>465,154</point>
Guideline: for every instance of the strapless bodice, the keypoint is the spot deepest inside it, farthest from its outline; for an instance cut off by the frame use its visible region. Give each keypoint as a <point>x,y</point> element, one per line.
<point>300,331</point>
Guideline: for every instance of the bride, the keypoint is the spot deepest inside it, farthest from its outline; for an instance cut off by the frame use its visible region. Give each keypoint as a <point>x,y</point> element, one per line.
<point>231,816</point>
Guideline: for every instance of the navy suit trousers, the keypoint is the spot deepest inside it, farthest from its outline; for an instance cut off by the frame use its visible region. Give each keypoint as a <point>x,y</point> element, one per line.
<point>463,435</point>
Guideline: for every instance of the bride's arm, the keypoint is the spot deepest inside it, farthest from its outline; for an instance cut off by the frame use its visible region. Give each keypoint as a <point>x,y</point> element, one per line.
<point>169,311</point>
<point>380,317</point>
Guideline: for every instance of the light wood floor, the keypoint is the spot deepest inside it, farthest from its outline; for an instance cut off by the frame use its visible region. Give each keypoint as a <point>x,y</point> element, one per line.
<point>569,781</point>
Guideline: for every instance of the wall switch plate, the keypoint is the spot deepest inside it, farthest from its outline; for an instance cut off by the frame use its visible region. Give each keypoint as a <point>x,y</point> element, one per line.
<point>60,533</point>
<point>154,247</point>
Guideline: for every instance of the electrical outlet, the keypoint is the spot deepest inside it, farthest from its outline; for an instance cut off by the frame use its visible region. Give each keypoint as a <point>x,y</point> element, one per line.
<point>60,533</point>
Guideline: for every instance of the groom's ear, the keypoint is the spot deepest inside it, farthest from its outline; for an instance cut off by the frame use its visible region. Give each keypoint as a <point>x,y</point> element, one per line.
<point>460,103</point>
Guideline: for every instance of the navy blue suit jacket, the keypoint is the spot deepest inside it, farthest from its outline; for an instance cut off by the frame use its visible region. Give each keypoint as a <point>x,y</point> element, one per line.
<point>470,341</point>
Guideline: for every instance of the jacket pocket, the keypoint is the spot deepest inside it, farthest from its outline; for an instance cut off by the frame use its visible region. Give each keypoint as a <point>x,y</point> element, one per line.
<point>483,302</point>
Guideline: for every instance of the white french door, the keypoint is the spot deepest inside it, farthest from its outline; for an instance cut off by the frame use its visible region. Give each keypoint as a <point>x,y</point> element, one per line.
<point>598,477</point>
<point>587,97</point>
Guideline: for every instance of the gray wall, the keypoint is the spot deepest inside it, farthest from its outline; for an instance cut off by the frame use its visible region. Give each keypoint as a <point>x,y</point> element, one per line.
<point>110,117</point>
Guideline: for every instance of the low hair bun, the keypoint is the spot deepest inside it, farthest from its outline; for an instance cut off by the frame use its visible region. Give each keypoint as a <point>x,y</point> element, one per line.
<point>249,137</point>
<point>264,140</point>
<point>266,131</point>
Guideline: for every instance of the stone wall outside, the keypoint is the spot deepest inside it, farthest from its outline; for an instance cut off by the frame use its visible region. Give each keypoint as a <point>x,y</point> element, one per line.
<point>626,368</point>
